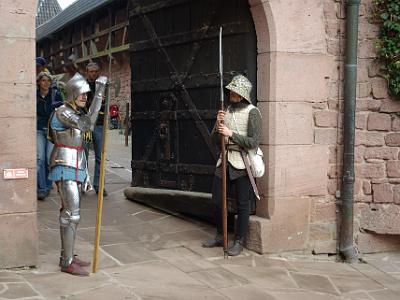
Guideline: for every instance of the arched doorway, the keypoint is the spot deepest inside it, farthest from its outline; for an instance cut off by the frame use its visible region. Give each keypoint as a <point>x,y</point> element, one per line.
<point>175,86</point>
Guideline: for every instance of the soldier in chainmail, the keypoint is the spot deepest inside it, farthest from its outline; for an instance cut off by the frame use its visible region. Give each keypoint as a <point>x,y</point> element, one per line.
<point>240,124</point>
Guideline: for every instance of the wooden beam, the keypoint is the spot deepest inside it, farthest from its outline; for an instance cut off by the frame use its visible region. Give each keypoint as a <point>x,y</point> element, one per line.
<point>104,53</point>
<point>94,36</point>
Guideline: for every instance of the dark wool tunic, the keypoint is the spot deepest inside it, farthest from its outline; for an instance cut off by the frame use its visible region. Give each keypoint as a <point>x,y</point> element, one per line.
<point>250,141</point>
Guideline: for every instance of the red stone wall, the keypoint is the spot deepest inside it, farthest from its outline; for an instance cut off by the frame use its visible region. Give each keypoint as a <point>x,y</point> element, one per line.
<point>377,185</point>
<point>121,84</point>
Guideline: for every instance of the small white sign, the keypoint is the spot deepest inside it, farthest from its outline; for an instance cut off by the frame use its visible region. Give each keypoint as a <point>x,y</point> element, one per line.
<point>15,174</point>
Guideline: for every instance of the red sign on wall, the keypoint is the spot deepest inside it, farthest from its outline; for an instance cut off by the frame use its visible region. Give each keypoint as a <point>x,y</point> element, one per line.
<point>15,174</point>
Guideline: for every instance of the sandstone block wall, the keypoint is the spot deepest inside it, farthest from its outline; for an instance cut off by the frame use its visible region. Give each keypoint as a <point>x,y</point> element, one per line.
<point>18,226</point>
<point>121,84</point>
<point>377,186</point>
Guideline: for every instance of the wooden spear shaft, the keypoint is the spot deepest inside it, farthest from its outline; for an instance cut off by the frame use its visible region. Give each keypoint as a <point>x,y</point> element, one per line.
<point>223,154</point>
<point>102,177</point>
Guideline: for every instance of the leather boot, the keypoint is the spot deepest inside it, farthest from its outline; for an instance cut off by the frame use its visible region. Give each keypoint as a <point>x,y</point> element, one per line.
<point>75,259</point>
<point>217,241</point>
<point>236,248</point>
<point>80,262</point>
<point>75,269</point>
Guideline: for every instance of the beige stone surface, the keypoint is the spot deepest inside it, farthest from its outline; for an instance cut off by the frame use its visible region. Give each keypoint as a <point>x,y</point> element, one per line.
<point>19,6</point>
<point>265,27</point>
<point>390,105</point>
<point>287,123</point>
<point>379,121</point>
<point>248,292</point>
<point>17,195</point>
<point>300,77</point>
<point>380,218</point>
<point>379,88</point>
<point>265,86</point>
<point>393,168</point>
<point>315,283</point>
<point>323,212</point>
<point>18,143</point>
<point>17,101</point>
<point>287,229</point>
<point>324,247</point>
<point>326,118</point>
<point>387,153</point>
<point>371,242</point>
<point>21,70</point>
<point>393,139</point>
<point>287,172</point>
<point>18,240</point>
<point>383,193</point>
<point>18,230</point>
<point>22,17</point>
<point>167,264</point>
<point>306,35</point>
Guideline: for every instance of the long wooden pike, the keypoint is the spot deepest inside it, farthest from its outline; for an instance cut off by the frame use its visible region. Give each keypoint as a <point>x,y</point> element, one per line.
<point>102,176</point>
<point>223,154</point>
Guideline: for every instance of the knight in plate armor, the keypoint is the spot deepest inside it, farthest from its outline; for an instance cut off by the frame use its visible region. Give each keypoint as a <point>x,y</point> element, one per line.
<point>68,167</point>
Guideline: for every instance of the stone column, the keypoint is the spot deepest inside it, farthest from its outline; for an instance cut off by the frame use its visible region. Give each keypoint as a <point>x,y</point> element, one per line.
<point>292,69</point>
<point>18,226</point>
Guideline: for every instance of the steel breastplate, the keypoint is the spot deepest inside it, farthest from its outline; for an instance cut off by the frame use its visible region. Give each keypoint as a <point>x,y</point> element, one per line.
<point>68,150</point>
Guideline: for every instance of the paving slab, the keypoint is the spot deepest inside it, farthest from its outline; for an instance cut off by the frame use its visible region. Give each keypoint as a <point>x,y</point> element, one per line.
<point>268,278</point>
<point>219,278</point>
<point>176,239</point>
<point>300,295</point>
<point>323,268</point>
<point>248,292</point>
<point>130,253</point>
<point>185,260</point>
<point>54,285</point>
<point>149,254</point>
<point>160,280</point>
<point>385,295</point>
<point>254,261</point>
<point>107,292</point>
<point>16,290</point>
<point>387,280</point>
<point>355,283</point>
<point>171,224</point>
<point>356,296</point>
<point>315,283</point>
<point>8,276</point>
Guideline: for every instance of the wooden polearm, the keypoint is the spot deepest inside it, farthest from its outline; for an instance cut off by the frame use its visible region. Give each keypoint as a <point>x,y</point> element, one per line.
<point>100,196</point>
<point>223,154</point>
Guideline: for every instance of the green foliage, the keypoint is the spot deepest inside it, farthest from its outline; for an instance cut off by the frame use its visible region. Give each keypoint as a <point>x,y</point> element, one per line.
<point>388,13</point>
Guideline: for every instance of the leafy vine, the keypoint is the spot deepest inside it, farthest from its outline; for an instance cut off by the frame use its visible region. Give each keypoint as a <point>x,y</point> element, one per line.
<point>388,13</point>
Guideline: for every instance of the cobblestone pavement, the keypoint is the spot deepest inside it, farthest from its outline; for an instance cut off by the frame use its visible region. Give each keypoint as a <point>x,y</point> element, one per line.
<point>148,254</point>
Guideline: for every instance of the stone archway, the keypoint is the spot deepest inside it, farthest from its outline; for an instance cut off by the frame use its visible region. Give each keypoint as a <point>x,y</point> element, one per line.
<point>293,66</point>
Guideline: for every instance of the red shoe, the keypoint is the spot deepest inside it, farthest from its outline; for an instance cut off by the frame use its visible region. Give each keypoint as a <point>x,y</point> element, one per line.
<point>75,269</point>
<point>82,263</point>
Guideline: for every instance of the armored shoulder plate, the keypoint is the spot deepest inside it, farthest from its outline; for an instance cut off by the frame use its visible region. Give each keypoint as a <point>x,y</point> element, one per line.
<point>71,118</point>
<point>101,85</point>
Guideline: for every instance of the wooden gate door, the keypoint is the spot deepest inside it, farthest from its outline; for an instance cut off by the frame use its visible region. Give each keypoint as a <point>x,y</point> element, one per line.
<point>175,85</point>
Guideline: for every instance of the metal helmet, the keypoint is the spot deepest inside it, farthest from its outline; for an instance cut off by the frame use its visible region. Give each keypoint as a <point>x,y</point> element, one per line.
<point>241,86</point>
<point>75,86</point>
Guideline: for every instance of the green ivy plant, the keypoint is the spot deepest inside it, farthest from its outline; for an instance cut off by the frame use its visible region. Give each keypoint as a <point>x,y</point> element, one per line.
<point>388,13</point>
